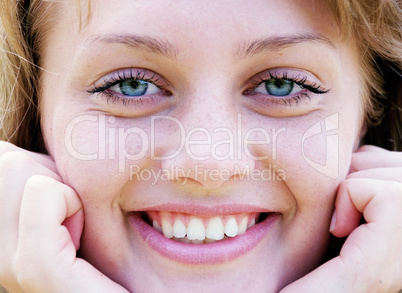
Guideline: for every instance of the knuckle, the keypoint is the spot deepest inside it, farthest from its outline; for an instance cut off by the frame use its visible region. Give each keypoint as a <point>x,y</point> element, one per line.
<point>396,187</point>
<point>4,270</point>
<point>352,175</point>
<point>13,160</point>
<point>26,271</point>
<point>365,148</point>
<point>26,275</point>
<point>6,147</point>
<point>8,275</point>
<point>399,172</point>
<point>38,182</point>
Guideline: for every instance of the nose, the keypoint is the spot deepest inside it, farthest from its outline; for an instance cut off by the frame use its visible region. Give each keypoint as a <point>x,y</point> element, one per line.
<point>211,172</point>
<point>212,152</point>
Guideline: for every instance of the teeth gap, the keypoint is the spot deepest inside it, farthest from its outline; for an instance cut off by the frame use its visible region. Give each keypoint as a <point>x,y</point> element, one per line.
<point>146,218</point>
<point>262,217</point>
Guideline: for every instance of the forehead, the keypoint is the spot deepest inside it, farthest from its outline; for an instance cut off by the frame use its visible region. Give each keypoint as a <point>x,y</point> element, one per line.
<point>184,23</point>
<point>197,37</point>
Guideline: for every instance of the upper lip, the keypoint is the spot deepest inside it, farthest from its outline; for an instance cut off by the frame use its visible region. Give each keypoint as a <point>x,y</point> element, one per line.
<point>204,210</point>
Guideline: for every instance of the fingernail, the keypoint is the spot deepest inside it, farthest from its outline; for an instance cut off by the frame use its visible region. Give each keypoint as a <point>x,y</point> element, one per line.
<point>333,222</point>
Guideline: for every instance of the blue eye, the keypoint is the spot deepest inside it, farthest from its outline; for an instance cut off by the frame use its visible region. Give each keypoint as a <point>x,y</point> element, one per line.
<point>278,87</point>
<point>283,87</point>
<point>134,88</point>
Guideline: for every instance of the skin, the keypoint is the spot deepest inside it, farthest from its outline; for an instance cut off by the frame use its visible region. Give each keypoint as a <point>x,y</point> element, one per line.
<point>207,80</point>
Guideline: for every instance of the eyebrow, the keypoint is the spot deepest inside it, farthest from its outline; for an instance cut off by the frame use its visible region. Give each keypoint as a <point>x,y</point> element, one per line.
<point>280,42</point>
<point>148,44</point>
<point>165,48</point>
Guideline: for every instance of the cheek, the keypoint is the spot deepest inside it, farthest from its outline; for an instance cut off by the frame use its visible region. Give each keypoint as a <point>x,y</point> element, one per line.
<point>316,157</point>
<point>92,151</point>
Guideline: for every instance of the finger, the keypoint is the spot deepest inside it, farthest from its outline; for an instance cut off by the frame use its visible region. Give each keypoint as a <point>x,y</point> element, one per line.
<point>378,242</point>
<point>46,258</point>
<point>44,243</point>
<point>371,148</point>
<point>346,216</point>
<point>371,258</point>
<point>74,225</point>
<point>15,169</point>
<point>42,159</point>
<point>377,200</point>
<point>375,159</point>
<point>387,174</point>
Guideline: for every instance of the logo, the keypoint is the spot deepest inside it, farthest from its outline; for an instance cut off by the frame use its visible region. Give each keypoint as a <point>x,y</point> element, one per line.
<point>329,127</point>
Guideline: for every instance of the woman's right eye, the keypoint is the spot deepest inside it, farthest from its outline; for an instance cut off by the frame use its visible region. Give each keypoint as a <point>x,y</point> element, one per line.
<point>139,90</point>
<point>135,88</point>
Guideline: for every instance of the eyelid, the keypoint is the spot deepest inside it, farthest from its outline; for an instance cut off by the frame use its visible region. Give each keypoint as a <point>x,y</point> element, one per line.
<point>299,103</point>
<point>118,76</point>
<point>123,105</point>
<point>298,76</point>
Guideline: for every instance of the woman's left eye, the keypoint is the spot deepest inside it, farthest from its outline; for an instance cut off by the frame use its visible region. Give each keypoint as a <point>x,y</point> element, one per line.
<point>134,88</point>
<point>284,87</point>
<point>273,92</point>
<point>278,87</point>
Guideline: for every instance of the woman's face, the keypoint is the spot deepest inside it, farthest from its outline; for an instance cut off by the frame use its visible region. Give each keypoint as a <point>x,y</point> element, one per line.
<point>196,119</point>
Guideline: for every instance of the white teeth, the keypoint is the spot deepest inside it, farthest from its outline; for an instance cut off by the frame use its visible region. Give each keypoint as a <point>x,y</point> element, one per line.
<point>195,229</point>
<point>183,240</point>
<point>231,227</point>
<point>215,229</point>
<point>252,223</point>
<point>243,225</point>
<point>207,240</point>
<point>179,230</point>
<point>167,228</point>
<point>156,226</point>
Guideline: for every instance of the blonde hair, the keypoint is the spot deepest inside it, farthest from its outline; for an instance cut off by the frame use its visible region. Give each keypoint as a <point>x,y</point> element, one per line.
<point>375,25</point>
<point>22,23</point>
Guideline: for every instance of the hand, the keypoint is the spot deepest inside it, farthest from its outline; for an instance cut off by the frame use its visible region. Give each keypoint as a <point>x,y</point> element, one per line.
<point>41,221</point>
<point>371,258</point>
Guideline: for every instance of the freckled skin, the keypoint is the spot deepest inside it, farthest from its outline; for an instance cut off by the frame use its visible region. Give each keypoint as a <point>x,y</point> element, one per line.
<point>207,81</point>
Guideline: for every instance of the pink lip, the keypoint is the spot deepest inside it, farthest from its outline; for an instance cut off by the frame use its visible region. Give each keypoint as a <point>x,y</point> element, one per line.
<point>212,253</point>
<point>207,211</point>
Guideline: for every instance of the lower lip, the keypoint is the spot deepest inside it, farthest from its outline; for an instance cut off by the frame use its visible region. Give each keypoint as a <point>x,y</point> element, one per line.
<point>211,253</point>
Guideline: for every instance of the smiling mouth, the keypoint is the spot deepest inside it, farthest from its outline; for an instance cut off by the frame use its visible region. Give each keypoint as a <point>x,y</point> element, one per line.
<point>187,228</point>
<point>192,234</point>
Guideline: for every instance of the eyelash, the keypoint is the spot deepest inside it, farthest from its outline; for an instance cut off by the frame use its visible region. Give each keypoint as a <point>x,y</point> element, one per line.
<point>146,76</point>
<point>303,82</point>
<point>122,76</point>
